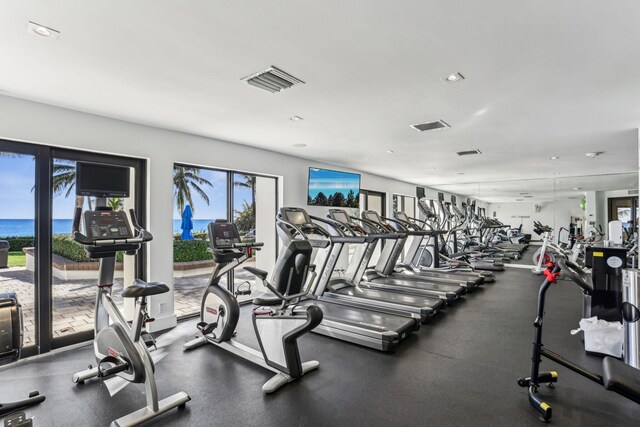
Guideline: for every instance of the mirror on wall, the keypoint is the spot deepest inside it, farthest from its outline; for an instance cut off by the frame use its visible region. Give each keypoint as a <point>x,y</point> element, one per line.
<point>580,205</point>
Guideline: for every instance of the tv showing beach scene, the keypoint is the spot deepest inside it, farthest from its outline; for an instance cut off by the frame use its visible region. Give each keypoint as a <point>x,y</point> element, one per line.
<point>333,188</point>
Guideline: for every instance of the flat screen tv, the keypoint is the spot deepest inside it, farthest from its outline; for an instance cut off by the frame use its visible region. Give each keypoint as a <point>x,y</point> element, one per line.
<point>100,180</point>
<point>333,188</point>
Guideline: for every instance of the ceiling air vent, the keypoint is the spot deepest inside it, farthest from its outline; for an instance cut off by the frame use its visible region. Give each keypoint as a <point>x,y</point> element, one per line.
<point>438,124</point>
<point>632,192</point>
<point>272,80</point>
<point>468,152</point>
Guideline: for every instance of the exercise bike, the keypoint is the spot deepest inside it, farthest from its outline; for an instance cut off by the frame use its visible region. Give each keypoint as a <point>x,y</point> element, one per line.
<point>120,348</point>
<point>617,376</point>
<point>277,321</point>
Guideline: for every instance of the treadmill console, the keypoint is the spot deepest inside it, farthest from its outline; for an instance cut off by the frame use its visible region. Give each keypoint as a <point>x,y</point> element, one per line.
<point>300,218</point>
<point>223,235</point>
<point>372,216</point>
<point>107,225</point>
<point>341,216</point>
<point>402,217</point>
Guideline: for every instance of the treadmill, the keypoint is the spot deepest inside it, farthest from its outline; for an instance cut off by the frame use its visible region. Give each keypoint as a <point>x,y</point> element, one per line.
<point>379,329</point>
<point>387,264</point>
<point>295,223</point>
<point>447,290</point>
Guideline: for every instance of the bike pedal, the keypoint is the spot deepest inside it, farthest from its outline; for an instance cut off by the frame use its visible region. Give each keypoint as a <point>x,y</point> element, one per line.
<point>206,328</point>
<point>149,341</point>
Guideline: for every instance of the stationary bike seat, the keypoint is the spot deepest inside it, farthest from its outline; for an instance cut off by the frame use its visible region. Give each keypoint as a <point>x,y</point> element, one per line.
<point>140,288</point>
<point>266,298</point>
<point>621,378</point>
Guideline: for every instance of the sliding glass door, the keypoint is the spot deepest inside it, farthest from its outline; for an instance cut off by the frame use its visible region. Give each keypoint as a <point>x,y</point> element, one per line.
<point>54,280</point>
<point>74,276</point>
<point>17,235</point>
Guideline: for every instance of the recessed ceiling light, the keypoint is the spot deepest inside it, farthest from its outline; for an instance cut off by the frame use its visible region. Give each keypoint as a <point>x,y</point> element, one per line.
<point>554,158</point>
<point>42,31</point>
<point>459,173</point>
<point>528,197</point>
<point>454,77</point>
<point>524,193</point>
<point>296,118</point>
<point>299,145</point>
<point>389,151</point>
<point>577,188</point>
<point>594,154</point>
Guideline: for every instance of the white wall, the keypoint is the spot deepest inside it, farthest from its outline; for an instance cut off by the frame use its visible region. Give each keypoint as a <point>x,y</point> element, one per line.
<point>28,121</point>
<point>554,214</point>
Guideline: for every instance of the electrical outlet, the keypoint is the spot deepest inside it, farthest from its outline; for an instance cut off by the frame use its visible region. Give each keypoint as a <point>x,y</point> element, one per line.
<point>163,307</point>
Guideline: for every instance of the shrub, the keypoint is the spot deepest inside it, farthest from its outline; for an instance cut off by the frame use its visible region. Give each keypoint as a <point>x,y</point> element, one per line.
<point>198,235</point>
<point>68,248</point>
<point>190,250</point>
<point>17,243</point>
<point>183,251</point>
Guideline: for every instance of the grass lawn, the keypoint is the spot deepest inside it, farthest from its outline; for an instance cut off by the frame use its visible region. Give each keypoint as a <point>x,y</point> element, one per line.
<point>17,259</point>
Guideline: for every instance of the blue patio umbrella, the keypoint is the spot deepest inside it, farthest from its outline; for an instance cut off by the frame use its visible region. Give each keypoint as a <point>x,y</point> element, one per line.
<point>187,223</point>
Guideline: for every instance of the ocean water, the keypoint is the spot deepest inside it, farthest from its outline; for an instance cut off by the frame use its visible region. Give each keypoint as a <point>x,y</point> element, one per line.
<point>26,227</point>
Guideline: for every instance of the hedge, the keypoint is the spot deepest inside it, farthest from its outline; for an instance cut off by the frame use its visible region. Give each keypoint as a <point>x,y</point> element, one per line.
<point>190,250</point>
<point>17,243</point>
<point>72,250</point>
<point>197,235</point>
<point>63,245</point>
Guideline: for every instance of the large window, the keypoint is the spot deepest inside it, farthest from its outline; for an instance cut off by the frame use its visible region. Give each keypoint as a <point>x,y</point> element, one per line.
<point>49,272</point>
<point>74,276</point>
<point>18,231</point>
<point>248,200</point>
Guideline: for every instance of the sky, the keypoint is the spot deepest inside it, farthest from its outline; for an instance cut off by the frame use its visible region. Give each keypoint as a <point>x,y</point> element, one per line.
<point>17,198</point>
<point>330,182</point>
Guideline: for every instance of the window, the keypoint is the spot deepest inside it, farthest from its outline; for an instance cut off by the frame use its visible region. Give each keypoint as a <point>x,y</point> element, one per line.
<point>54,281</point>
<point>406,204</point>
<point>248,200</point>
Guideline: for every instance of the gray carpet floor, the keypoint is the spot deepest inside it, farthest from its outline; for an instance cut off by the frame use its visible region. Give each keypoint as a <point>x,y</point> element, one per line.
<point>460,370</point>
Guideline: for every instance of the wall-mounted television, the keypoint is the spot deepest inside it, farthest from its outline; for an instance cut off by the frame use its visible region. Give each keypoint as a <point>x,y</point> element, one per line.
<point>333,188</point>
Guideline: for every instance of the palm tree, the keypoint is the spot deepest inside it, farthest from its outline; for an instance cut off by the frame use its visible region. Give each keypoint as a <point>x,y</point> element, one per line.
<point>64,180</point>
<point>186,179</point>
<point>246,217</point>
<point>247,181</point>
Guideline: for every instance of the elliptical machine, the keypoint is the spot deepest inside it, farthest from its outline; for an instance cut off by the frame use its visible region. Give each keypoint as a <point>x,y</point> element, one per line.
<point>278,322</point>
<point>120,348</point>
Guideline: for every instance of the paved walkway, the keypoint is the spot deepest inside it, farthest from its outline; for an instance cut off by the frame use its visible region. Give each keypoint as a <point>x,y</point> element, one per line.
<point>74,300</point>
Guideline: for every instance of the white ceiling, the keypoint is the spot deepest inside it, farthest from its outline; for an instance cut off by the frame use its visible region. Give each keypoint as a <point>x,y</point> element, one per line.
<point>543,78</point>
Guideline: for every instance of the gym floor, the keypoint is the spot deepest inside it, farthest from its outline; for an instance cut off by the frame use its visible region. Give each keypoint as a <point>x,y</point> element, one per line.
<point>459,370</point>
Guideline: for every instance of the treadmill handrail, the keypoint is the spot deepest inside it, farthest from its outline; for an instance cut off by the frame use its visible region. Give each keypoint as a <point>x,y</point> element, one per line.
<point>336,225</point>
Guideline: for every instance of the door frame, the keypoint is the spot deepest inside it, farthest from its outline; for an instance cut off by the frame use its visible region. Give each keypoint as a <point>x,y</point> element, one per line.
<point>43,204</point>
<point>382,194</point>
